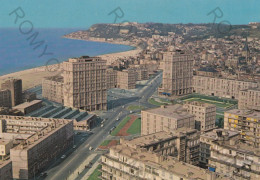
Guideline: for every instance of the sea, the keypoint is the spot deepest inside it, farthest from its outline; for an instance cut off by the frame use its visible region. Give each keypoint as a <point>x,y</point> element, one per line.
<point>53,19</point>
<point>18,51</point>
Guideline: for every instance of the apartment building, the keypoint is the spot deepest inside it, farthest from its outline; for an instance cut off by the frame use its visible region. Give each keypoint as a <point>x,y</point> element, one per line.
<point>52,89</point>
<point>85,83</point>
<point>28,107</point>
<point>6,170</point>
<point>126,162</point>
<point>183,144</point>
<point>5,98</point>
<point>206,142</point>
<point>177,73</point>
<point>214,86</point>
<point>247,122</point>
<point>205,114</point>
<point>16,89</point>
<point>234,159</point>
<point>166,118</point>
<point>141,73</point>
<point>111,76</point>
<point>249,99</point>
<point>126,79</point>
<point>37,142</point>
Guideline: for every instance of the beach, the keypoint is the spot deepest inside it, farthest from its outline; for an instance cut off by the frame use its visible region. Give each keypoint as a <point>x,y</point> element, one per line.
<point>33,77</point>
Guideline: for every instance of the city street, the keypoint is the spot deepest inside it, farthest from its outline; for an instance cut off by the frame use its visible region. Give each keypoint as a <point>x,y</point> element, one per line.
<point>62,169</point>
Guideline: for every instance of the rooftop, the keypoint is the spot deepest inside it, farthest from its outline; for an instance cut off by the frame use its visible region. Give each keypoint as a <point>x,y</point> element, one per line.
<point>85,59</point>
<point>201,104</point>
<point>235,144</point>
<point>214,133</point>
<point>159,136</point>
<point>175,111</point>
<point>161,162</point>
<point>245,112</point>
<point>55,78</point>
<point>27,104</point>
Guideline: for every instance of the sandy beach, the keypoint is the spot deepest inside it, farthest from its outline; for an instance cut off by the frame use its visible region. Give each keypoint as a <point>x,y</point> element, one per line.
<point>33,77</point>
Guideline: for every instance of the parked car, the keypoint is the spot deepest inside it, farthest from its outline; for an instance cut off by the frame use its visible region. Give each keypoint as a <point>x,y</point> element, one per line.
<point>90,148</point>
<point>63,156</point>
<point>74,146</point>
<point>44,174</point>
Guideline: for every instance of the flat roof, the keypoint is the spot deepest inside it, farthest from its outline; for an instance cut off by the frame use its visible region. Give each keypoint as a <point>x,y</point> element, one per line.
<point>27,104</point>
<point>169,164</point>
<point>160,136</point>
<point>239,146</point>
<point>55,78</point>
<point>245,112</point>
<point>201,104</point>
<point>213,134</point>
<point>175,111</point>
<point>4,142</point>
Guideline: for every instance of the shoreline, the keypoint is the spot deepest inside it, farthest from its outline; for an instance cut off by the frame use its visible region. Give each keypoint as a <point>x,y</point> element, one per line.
<point>33,77</point>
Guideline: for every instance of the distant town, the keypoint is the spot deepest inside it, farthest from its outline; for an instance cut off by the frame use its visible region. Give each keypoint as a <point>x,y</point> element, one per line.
<point>183,104</point>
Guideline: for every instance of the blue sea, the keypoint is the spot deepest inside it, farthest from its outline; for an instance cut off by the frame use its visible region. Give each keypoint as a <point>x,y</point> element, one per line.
<point>53,19</point>
<point>18,53</point>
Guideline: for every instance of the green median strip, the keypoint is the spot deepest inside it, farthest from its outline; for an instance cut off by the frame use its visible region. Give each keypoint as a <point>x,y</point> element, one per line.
<point>105,143</point>
<point>120,126</point>
<point>133,107</point>
<point>135,128</point>
<point>156,103</point>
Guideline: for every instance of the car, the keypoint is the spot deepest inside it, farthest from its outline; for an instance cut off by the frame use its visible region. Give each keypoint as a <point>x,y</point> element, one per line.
<point>44,174</point>
<point>117,119</point>
<point>90,148</point>
<point>63,156</point>
<point>74,147</point>
<point>102,125</point>
<point>131,112</point>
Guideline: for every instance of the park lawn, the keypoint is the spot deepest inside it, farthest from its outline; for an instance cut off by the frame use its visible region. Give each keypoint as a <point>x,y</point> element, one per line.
<point>95,174</point>
<point>152,101</point>
<point>134,108</point>
<point>135,128</point>
<point>217,103</point>
<point>105,143</point>
<point>120,126</point>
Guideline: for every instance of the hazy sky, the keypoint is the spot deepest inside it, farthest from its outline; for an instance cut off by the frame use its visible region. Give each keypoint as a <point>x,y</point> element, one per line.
<point>84,13</point>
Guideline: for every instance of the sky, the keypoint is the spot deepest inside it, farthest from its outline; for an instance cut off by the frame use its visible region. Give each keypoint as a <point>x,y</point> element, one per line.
<point>84,13</point>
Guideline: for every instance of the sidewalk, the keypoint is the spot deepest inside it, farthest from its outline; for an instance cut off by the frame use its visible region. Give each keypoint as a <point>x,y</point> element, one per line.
<point>92,169</point>
<point>75,173</point>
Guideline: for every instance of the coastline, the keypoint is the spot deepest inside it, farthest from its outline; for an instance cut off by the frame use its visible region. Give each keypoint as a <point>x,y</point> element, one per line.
<point>33,77</point>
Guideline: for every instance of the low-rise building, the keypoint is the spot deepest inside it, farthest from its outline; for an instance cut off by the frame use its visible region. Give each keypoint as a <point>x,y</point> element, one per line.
<point>126,162</point>
<point>247,122</point>
<point>234,159</point>
<point>249,99</point>
<point>166,118</point>
<point>29,107</point>
<point>205,114</point>
<point>206,141</point>
<point>183,144</point>
<point>37,142</point>
<point>215,86</point>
